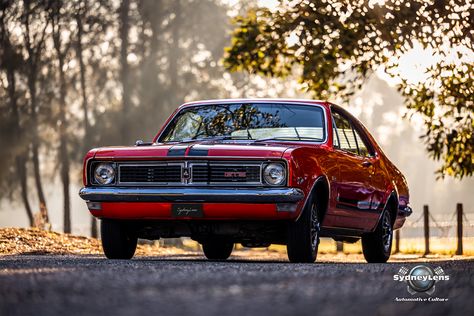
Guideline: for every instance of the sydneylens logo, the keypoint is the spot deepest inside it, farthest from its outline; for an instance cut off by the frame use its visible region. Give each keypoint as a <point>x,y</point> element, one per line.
<point>421,278</point>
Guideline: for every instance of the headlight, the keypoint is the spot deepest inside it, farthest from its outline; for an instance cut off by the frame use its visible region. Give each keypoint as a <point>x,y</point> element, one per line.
<point>274,174</point>
<point>104,173</point>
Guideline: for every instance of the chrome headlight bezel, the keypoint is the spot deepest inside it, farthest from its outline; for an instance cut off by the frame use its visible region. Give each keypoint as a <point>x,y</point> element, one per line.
<point>96,178</point>
<point>279,175</point>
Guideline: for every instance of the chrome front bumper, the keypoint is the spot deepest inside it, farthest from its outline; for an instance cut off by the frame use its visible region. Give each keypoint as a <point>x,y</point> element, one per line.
<point>198,195</point>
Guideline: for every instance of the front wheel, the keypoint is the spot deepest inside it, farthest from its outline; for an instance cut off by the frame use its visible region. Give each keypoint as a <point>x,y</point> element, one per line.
<point>377,245</point>
<point>217,250</point>
<point>117,240</point>
<point>303,235</point>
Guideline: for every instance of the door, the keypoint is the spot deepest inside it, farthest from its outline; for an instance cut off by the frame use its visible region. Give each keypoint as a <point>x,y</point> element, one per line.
<point>354,192</point>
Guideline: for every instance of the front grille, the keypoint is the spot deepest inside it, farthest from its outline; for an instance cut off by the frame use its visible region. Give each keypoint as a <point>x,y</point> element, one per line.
<point>191,173</point>
<point>200,173</point>
<point>150,174</point>
<point>234,173</point>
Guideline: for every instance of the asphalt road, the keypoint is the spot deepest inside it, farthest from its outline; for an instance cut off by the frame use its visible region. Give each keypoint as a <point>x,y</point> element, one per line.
<point>92,285</point>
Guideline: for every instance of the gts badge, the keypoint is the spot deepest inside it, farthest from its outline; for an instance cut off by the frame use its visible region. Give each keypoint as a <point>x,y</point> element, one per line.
<point>235,174</point>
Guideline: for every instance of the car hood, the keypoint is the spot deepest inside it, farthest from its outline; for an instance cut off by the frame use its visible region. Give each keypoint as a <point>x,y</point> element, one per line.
<point>195,150</point>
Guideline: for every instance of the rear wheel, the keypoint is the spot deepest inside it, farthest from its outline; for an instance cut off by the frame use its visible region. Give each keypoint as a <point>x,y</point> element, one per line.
<point>377,245</point>
<point>303,235</point>
<point>217,250</point>
<point>117,240</point>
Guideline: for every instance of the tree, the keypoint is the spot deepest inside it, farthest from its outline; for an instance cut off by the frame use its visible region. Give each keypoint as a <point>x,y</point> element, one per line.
<point>34,40</point>
<point>11,62</point>
<point>59,19</point>
<point>124,18</point>
<point>336,45</point>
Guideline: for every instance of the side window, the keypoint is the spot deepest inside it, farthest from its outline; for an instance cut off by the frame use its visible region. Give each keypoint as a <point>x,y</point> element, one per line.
<point>345,133</point>
<point>363,151</point>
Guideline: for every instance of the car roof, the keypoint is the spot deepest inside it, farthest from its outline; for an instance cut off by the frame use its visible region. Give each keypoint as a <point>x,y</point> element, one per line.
<point>254,100</point>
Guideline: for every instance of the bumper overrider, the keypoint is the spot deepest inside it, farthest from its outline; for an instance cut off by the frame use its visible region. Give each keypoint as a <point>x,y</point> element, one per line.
<point>193,195</point>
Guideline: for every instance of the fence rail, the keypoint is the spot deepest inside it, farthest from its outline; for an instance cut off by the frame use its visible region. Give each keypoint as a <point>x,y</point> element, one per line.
<point>429,224</point>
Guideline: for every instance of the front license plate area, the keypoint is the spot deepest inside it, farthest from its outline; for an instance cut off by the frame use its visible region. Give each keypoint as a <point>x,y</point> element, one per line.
<point>187,210</point>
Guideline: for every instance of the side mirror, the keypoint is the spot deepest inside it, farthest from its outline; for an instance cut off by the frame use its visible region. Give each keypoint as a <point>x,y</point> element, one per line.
<point>142,143</point>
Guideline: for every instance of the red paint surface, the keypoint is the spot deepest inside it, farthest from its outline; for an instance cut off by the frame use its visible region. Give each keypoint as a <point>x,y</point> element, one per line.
<point>218,211</point>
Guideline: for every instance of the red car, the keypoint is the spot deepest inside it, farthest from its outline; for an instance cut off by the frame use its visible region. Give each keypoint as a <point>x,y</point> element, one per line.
<point>254,172</point>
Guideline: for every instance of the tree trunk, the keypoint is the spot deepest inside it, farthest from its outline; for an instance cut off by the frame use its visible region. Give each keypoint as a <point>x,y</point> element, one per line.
<point>20,162</point>
<point>37,173</point>
<point>32,62</point>
<point>124,72</point>
<point>174,51</point>
<point>85,106</point>
<point>22,173</point>
<point>151,12</point>
<point>63,139</point>
<point>82,71</point>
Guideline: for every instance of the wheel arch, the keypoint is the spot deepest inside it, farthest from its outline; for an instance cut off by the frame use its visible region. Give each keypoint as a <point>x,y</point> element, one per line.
<point>321,191</point>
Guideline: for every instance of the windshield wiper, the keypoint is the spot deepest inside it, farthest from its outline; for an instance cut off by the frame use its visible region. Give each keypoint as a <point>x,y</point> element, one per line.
<point>297,134</point>
<point>222,137</point>
<point>287,138</point>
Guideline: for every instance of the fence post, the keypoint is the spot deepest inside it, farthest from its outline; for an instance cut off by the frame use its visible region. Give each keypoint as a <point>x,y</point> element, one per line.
<point>459,212</point>
<point>339,246</point>
<point>397,241</point>
<point>426,224</point>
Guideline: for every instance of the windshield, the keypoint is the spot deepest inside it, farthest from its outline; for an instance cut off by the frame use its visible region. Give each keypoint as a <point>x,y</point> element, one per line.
<point>247,121</point>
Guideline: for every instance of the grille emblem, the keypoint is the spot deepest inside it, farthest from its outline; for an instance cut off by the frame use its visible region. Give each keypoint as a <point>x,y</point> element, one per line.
<point>186,174</point>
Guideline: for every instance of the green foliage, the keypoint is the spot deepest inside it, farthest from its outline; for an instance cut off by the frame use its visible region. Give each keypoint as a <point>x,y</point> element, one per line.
<point>334,45</point>
<point>445,102</point>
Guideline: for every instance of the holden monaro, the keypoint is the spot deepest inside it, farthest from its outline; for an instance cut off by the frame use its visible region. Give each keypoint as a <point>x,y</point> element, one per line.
<point>254,172</point>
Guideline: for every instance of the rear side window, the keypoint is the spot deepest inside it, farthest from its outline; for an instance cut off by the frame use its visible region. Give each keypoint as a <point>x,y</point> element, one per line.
<point>363,151</point>
<point>344,134</point>
<point>346,137</point>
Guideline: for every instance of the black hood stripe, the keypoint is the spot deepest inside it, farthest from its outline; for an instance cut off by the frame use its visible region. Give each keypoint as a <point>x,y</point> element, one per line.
<point>177,150</point>
<point>199,151</point>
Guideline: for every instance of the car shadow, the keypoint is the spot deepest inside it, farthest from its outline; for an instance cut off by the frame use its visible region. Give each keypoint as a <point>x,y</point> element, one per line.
<point>199,258</point>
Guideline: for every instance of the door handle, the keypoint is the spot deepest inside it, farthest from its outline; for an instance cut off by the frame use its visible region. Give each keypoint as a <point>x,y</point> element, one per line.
<point>366,164</point>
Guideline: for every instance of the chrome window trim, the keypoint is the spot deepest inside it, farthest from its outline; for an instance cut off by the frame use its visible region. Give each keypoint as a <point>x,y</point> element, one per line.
<point>181,108</point>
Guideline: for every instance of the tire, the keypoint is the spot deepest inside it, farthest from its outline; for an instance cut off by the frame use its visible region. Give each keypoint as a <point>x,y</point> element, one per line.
<point>217,250</point>
<point>118,242</point>
<point>377,245</point>
<point>303,235</point>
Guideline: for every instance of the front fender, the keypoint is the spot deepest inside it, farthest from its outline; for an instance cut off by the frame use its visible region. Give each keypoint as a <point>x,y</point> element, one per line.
<point>306,169</point>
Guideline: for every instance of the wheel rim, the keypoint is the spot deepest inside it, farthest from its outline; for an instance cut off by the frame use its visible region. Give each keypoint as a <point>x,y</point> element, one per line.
<point>386,232</point>
<point>314,227</point>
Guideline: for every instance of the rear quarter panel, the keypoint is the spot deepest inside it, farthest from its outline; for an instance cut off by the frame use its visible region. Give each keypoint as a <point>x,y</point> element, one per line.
<point>396,181</point>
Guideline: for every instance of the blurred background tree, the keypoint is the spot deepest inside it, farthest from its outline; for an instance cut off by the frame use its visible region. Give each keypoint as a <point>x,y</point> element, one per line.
<point>78,74</point>
<point>335,45</point>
